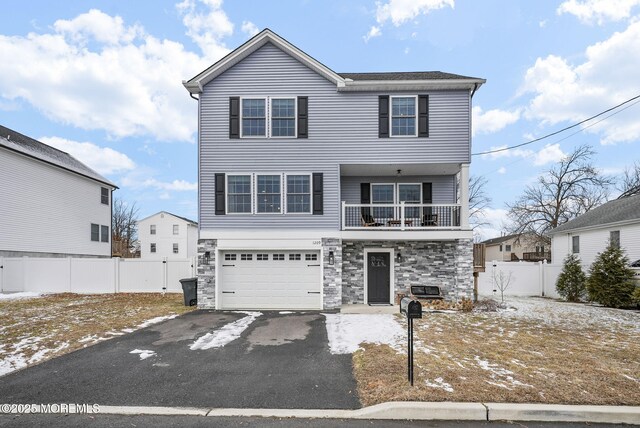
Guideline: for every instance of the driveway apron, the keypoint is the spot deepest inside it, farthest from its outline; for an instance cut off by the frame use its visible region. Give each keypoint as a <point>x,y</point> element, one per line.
<point>281,360</point>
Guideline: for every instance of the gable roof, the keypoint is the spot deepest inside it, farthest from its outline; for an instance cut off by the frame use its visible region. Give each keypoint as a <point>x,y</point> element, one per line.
<point>624,210</point>
<point>343,81</point>
<point>32,148</point>
<point>500,239</point>
<point>195,223</point>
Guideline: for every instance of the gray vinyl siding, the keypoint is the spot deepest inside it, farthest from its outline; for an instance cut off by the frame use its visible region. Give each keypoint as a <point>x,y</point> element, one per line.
<point>443,188</point>
<point>343,128</point>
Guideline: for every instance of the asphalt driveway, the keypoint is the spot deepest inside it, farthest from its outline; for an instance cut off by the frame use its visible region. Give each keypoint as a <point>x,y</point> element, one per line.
<point>281,360</point>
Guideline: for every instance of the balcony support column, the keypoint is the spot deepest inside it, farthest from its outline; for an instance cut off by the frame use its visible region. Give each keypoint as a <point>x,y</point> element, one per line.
<point>464,196</point>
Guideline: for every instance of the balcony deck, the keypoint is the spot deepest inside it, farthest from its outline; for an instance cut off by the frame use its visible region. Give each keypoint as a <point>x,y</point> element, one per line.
<point>400,217</point>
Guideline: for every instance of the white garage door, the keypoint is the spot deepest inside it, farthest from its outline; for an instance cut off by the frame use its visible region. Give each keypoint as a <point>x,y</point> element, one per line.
<point>251,279</point>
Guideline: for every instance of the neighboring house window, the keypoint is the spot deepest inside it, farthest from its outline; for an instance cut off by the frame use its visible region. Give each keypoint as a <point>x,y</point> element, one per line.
<point>175,249</point>
<point>614,238</point>
<point>152,248</point>
<point>268,194</point>
<point>403,116</point>
<point>152,229</point>
<point>239,194</point>
<point>500,247</point>
<point>176,229</point>
<point>507,247</point>
<point>104,195</point>
<point>283,117</point>
<point>298,194</point>
<point>382,194</point>
<point>104,233</point>
<point>575,241</point>
<point>95,232</point>
<point>254,117</point>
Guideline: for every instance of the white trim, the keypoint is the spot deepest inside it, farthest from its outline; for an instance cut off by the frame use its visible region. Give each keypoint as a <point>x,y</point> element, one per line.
<point>266,116</point>
<point>286,193</point>
<point>604,226</point>
<point>356,235</point>
<point>392,285</point>
<point>415,116</point>
<point>409,85</point>
<point>255,196</point>
<point>226,192</point>
<point>295,116</point>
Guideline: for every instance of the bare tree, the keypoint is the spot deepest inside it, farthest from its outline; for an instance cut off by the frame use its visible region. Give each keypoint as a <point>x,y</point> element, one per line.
<point>124,228</point>
<point>479,201</point>
<point>502,281</point>
<point>629,183</point>
<point>570,188</point>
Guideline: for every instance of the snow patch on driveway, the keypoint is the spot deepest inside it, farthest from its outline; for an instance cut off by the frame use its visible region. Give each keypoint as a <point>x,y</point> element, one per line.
<point>156,320</point>
<point>143,353</point>
<point>347,331</point>
<point>226,334</point>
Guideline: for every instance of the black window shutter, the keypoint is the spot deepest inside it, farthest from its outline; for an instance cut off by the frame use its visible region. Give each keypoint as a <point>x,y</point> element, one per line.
<point>365,198</point>
<point>234,117</point>
<point>427,193</point>
<point>383,116</point>
<point>423,116</point>
<point>303,117</point>
<point>220,194</point>
<point>317,194</point>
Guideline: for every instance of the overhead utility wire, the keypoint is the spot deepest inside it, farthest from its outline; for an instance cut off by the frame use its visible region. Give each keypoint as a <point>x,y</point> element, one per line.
<point>556,132</point>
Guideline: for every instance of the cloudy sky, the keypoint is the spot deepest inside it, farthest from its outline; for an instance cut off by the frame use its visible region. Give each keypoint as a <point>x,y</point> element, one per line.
<point>102,79</point>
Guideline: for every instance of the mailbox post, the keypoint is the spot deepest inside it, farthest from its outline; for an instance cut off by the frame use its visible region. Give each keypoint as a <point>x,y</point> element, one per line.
<point>411,309</point>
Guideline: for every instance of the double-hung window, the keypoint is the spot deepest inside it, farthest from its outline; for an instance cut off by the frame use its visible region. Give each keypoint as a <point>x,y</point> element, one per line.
<point>268,194</point>
<point>383,194</point>
<point>575,244</point>
<point>283,117</point>
<point>614,238</point>
<point>410,194</point>
<point>95,232</point>
<point>298,193</point>
<point>104,233</point>
<point>239,194</point>
<point>104,195</point>
<point>254,117</point>
<point>403,116</point>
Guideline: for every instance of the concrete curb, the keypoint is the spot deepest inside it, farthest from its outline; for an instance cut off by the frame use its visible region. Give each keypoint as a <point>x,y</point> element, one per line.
<point>414,410</point>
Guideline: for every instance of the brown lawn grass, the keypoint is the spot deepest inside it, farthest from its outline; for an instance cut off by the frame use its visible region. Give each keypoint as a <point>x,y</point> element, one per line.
<point>524,361</point>
<point>66,322</point>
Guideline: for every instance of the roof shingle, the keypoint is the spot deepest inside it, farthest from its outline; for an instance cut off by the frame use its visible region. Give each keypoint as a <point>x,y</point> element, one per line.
<point>618,210</point>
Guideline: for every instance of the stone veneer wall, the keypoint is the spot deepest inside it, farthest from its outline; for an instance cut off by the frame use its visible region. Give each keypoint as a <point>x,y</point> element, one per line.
<point>332,274</point>
<point>448,264</point>
<point>206,274</point>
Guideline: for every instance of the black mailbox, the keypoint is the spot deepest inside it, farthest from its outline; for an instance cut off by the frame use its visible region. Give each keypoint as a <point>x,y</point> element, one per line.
<point>411,308</point>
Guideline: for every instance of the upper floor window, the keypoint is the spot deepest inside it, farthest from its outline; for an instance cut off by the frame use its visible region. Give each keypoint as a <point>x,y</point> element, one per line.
<point>254,117</point>
<point>507,247</point>
<point>176,229</point>
<point>283,117</point>
<point>614,238</point>
<point>298,194</point>
<point>268,196</point>
<point>152,229</point>
<point>239,194</point>
<point>403,116</point>
<point>104,195</point>
<point>575,243</point>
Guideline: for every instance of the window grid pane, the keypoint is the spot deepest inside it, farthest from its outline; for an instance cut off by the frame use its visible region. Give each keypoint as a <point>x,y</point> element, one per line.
<point>268,193</point>
<point>283,114</point>
<point>253,117</point>
<point>403,116</point>
<point>239,193</point>
<point>298,194</point>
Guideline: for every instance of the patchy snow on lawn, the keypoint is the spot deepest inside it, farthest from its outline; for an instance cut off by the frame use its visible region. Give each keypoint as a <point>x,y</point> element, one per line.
<point>347,331</point>
<point>574,315</point>
<point>16,359</point>
<point>285,312</point>
<point>228,333</point>
<point>439,383</point>
<point>22,295</point>
<point>499,376</point>
<point>143,353</point>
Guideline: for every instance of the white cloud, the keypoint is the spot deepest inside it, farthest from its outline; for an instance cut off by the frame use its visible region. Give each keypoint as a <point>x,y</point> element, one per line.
<point>564,92</point>
<point>406,51</point>
<point>373,32</point>
<point>487,122</point>
<point>127,83</point>
<point>542,23</point>
<point>175,185</point>
<point>502,170</point>
<point>103,160</point>
<point>598,11</point>
<point>548,154</point>
<point>401,11</point>
<point>249,28</point>
<point>207,25</point>
<point>497,219</point>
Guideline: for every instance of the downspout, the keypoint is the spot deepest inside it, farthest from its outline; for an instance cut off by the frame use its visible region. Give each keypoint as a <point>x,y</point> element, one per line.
<point>198,99</point>
<point>475,88</point>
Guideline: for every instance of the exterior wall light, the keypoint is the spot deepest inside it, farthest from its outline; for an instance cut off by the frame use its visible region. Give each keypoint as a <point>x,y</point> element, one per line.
<point>207,257</point>
<point>332,258</point>
<point>399,258</point>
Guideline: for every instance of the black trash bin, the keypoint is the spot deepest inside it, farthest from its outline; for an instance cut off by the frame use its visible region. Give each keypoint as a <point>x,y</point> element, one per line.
<point>190,291</point>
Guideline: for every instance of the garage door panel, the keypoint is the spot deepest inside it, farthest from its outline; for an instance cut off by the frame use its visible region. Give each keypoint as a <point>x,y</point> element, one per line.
<point>270,283</point>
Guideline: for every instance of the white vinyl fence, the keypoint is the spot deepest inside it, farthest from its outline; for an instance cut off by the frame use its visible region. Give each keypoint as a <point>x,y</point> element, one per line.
<point>85,275</point>
<point>527,279</point>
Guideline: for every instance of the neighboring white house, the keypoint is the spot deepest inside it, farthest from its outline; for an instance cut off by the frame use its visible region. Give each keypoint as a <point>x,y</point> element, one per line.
<point>51,204</point>
<point>586,236</point>
<point>509,248</point>
<point>167,235</point>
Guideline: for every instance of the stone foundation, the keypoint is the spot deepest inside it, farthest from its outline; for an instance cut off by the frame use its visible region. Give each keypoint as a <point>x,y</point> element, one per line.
<point>332,274</point>
<point>448,264</point>
<point>207,273</point>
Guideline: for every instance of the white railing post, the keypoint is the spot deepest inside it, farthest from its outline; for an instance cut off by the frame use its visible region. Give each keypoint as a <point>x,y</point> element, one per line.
<point>116,275</point>
<point>344,213</point>
<point>402,215</point>
<point>464,196</point>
